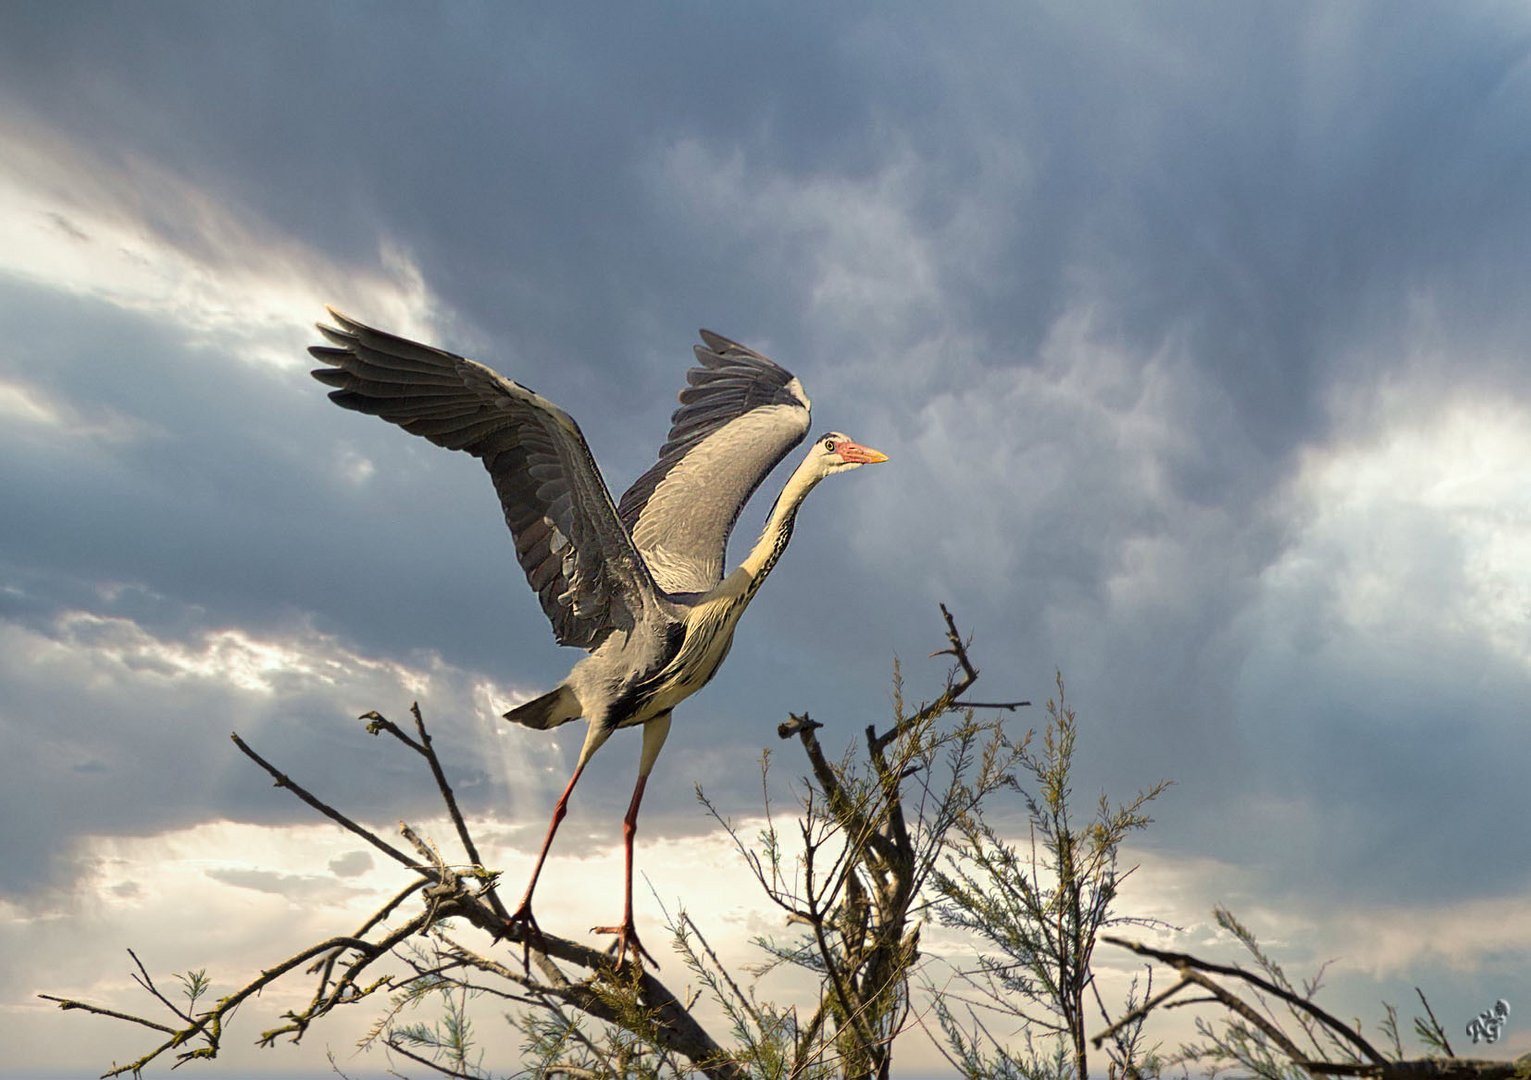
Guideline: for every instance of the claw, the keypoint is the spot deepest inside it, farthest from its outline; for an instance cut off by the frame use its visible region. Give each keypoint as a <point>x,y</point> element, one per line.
<point>627,942</point>
<point>523,921</point>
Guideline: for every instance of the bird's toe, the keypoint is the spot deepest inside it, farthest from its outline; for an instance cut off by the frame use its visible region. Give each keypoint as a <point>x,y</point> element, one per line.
<point>627,943</point>
<point>521,926</point>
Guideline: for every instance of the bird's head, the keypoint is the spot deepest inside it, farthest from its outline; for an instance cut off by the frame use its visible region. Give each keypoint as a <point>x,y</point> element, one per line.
<point>833,452</point>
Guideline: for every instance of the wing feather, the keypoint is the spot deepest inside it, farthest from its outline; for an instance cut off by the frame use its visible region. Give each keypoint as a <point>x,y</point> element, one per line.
<point>739,415</point>
<point>577,555</point>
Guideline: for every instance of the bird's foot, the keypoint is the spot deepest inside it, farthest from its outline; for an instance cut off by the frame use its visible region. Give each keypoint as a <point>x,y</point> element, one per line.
<point>522,926</point>
<point>627,942</point>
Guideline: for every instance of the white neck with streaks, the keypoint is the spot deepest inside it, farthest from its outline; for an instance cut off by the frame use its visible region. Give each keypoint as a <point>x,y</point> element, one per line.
<point>778,526</point>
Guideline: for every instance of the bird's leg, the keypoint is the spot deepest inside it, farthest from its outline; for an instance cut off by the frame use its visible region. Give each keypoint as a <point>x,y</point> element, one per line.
<point>654,733</point>
<point>522,917</point>
<point>627,934</point>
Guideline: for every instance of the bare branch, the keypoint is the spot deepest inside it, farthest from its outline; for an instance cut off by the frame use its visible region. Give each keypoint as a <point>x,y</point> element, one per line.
<point>1435,1025</point>
<point>284,781</point>
<point>143,979</point>
<point>84,1006</point>
<point>1188,965</point>
<point>397,1048</point>
<point>425,749</point>
<point>1142,1010</point>
<point>340,962</point>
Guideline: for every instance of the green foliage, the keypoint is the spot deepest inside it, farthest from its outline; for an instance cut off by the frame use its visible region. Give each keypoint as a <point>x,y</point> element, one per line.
<point>766,1037</point>
<point>1426,1028</point>
<point>1283,1031</point>
<point>1036,910</point>
<point>617,1037</point>
<point>194,984</point>
<point>1251,1046</point>
<point>978,1055</point>
<point>447,1041</point>
<point>870,831</point>
<point>893,829</point>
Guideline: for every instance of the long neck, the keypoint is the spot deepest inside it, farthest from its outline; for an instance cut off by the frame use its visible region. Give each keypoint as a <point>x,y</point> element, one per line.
<point>778,526</point>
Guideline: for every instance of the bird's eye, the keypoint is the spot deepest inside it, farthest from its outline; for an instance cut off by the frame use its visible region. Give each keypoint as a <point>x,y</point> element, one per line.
<point>829,444</point>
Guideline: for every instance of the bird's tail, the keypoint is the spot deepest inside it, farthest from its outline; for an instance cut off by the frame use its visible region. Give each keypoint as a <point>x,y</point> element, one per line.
<point>557,706</point>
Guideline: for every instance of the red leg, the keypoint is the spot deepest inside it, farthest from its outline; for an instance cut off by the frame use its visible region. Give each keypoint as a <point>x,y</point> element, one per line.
<point>522,916</point>
<point>654,734</point>
<point>596,733</point>
<point>627,934</point>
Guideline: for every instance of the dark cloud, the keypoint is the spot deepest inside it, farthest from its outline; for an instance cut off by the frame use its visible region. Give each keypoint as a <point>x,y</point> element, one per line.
<point>222,502</point>
<point>1110,286</point>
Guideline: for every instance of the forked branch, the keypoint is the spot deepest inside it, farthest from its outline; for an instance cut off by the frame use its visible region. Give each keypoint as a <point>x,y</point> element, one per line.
<point>1367,1061</point>
<point>446,892</point>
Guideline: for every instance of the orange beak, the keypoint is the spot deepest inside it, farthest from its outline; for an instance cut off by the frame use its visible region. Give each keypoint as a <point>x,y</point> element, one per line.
<point>863,455</point>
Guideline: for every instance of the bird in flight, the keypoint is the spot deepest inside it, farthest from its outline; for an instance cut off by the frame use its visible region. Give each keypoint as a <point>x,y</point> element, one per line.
<point>638,584</point>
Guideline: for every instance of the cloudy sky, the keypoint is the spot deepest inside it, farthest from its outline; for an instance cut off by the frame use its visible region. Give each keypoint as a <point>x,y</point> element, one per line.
<point>1197,334</point>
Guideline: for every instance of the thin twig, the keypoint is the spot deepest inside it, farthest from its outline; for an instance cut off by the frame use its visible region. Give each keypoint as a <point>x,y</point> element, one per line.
<point>284,781</point>
<point>748,1005</point>
<point>1440,1031</point>
<point>84,1006</point>
<point>1186,964</point>
<point>1141,1011</point>
<point>425,748</point>
<point>143,979</point>
<point>427,1062</point>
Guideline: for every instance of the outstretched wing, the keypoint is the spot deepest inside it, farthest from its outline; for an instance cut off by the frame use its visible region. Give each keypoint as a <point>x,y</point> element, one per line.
<point>739,416</point>
<point>577,556</point>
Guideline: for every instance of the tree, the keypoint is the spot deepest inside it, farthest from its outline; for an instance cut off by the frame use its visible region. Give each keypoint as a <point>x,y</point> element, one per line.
<point>880,834</point>
<point>1039,911</point>
<point>1276,1031</point>
<point>872,832</point>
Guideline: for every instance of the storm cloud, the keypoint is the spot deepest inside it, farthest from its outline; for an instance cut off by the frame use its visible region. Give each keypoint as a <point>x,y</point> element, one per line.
<point>1196,335</point>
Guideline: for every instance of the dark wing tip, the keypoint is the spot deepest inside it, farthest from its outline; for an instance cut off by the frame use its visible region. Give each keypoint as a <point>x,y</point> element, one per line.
<point>718,351</point>
<point>329,355</point>
<point>717,342</point>
<point>342,318</point>
<point>346,332</point>
<point>346,338</point>
<point>331,376</point>
<point>718,345</point>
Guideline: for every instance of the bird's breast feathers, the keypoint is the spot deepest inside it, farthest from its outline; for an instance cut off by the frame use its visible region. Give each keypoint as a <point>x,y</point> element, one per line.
<point>709,634</point>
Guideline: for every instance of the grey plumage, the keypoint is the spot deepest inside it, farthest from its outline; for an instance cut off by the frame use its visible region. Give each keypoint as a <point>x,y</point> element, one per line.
<point>639,585</point>
<point>577,555</point>
<point>697,488</point>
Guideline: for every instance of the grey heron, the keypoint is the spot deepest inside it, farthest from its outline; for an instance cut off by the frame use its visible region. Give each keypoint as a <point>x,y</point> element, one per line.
<point>638,584</point>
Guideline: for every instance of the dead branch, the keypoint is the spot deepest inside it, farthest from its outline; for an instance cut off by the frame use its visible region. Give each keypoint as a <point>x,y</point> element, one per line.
<point>861,910</point>
<point>1429,1068</point>
<point>67,1004</point>
<point>956,685</point>
<point>378,722</point>
<point>340,962</point>
<point>1189,966</point>
<point>285,781</point>
<point>1196,972</point>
